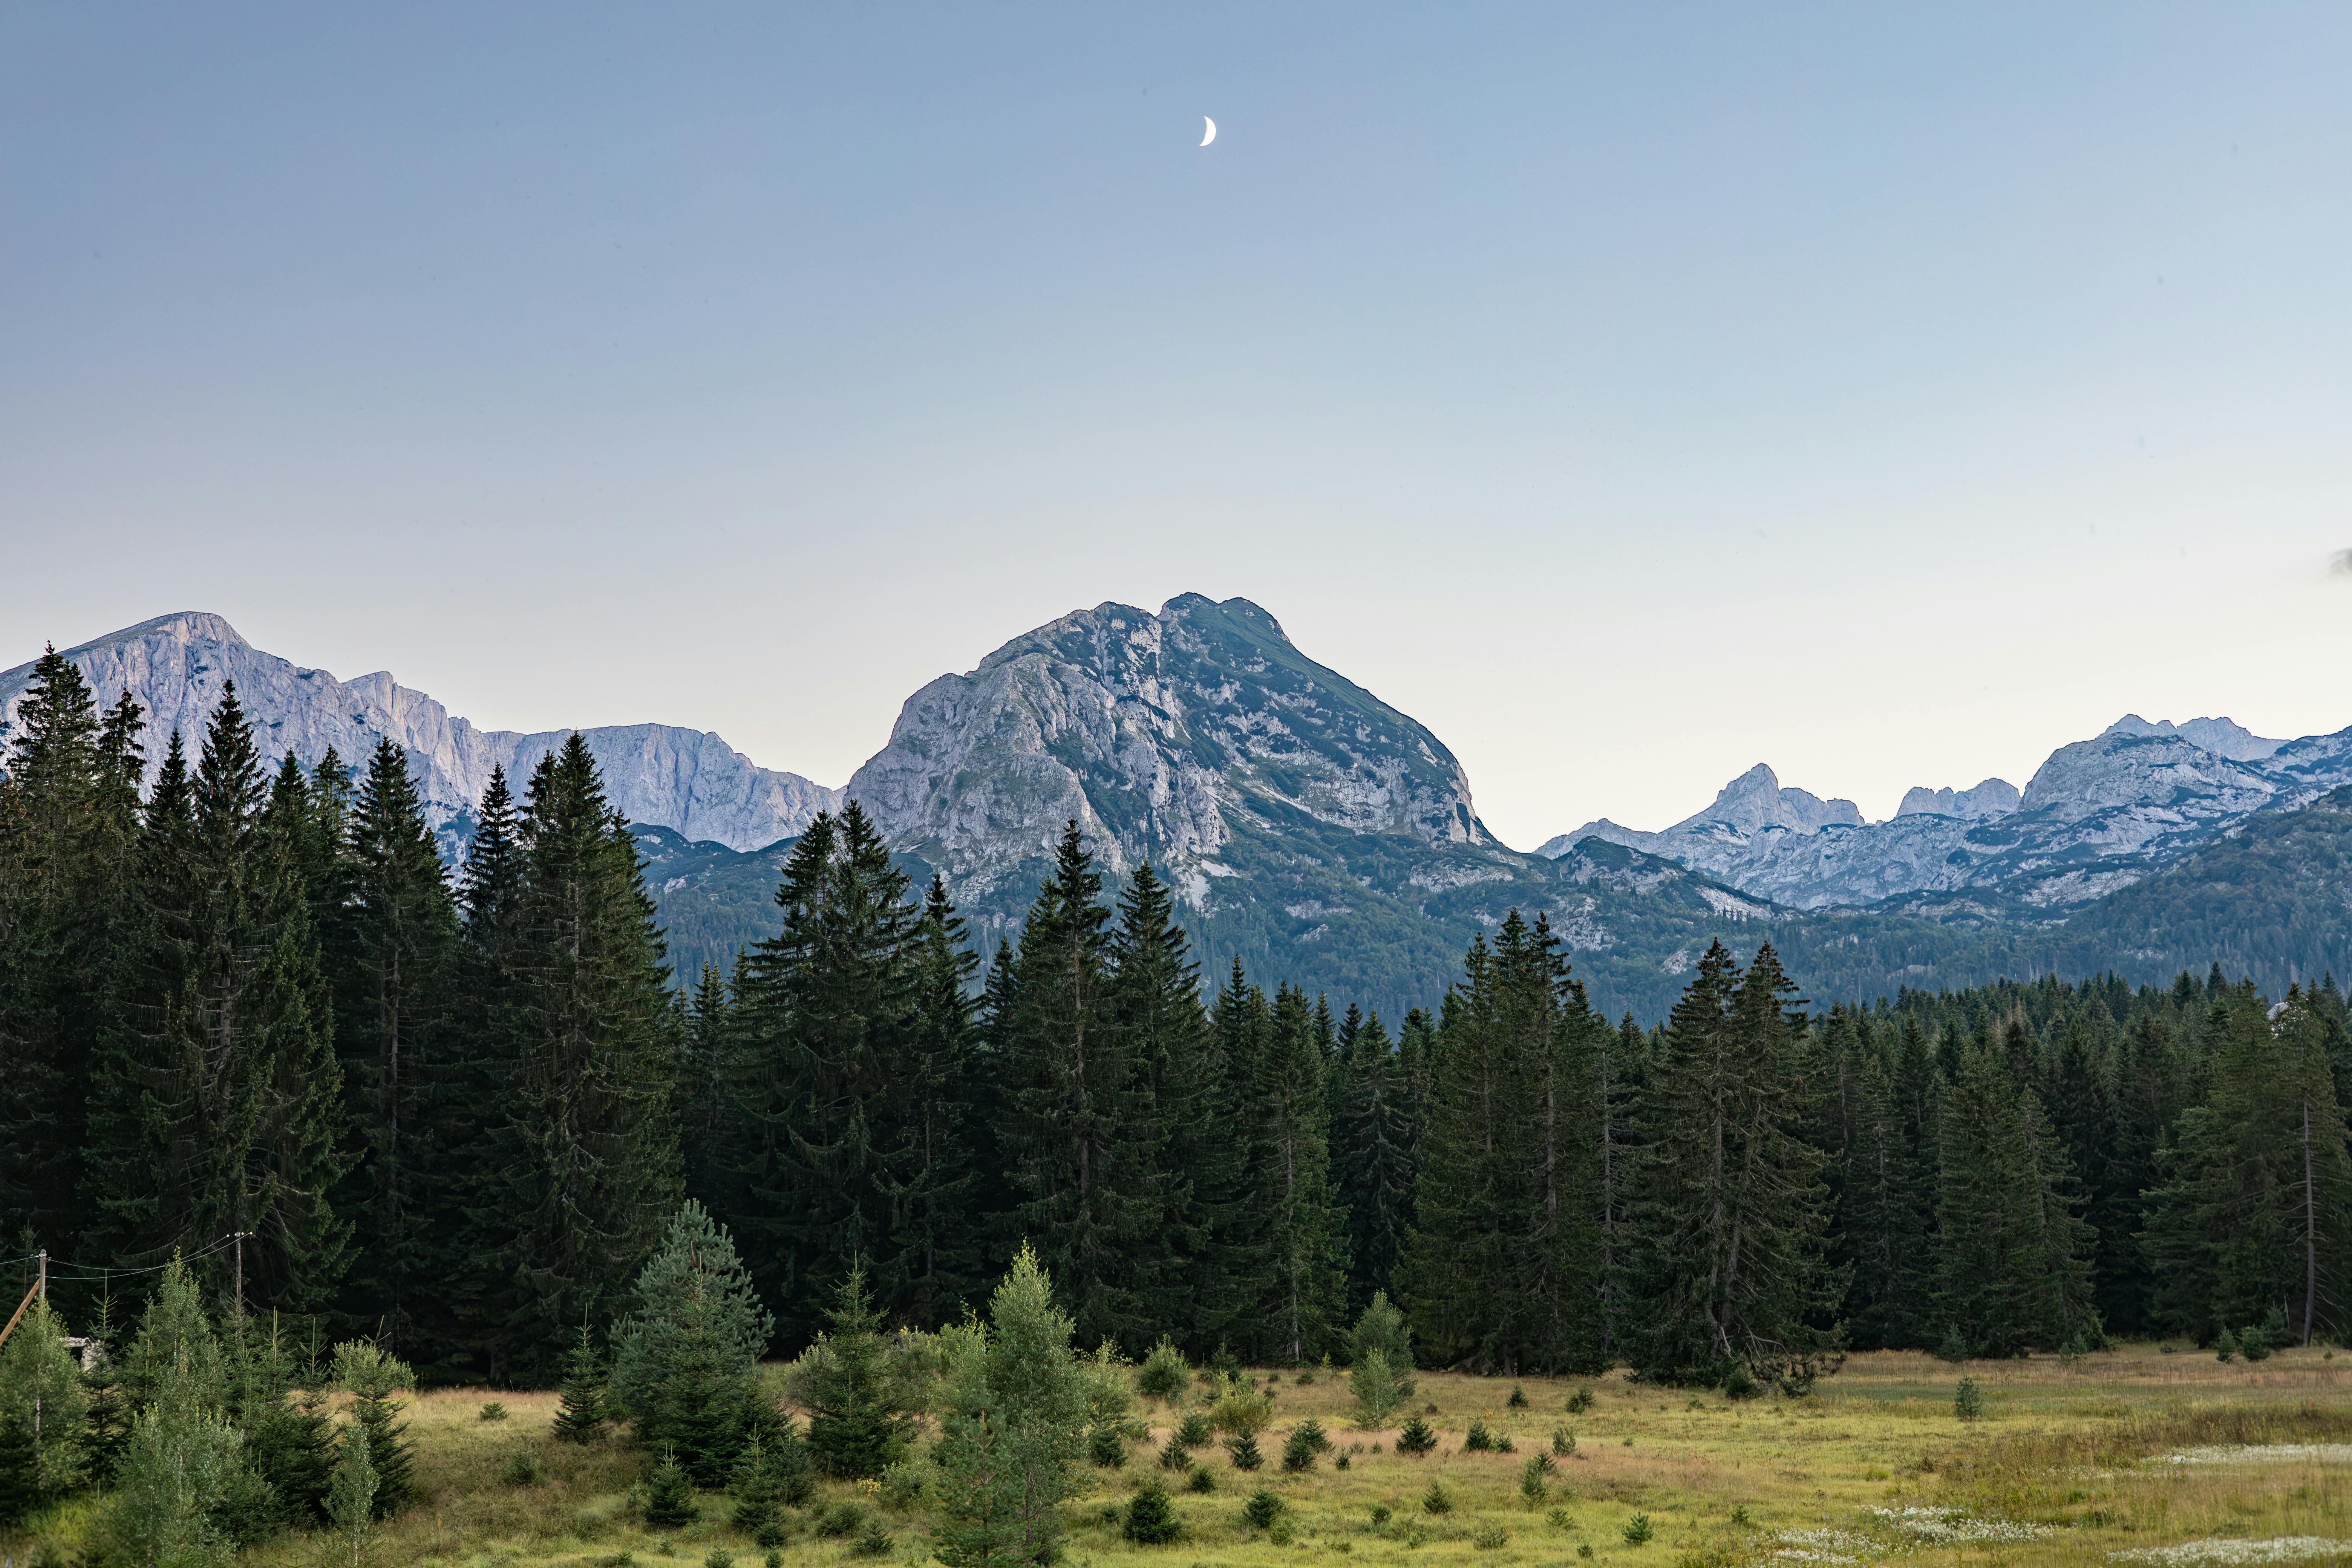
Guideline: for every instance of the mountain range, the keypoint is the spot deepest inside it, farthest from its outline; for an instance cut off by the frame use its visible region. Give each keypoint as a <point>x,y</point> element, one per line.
<point>1320,835</point>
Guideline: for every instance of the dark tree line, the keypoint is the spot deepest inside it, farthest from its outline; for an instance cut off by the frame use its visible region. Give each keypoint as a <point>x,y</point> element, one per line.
<point>454,1111</point>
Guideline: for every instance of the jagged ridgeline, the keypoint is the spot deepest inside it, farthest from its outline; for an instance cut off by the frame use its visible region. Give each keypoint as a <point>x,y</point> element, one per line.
<point>1331,841</point>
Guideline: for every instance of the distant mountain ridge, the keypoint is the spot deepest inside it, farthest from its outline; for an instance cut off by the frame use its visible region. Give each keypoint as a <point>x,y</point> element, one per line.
<point>176,665</point>
<point>1323,838</point>
<point>2098,816</point>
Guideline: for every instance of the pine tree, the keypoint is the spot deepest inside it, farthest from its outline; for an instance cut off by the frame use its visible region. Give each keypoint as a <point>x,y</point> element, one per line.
<point>2257,1197</point>
<point>1153,1002</point>
<point>1371,1156</point>
<point>2014,1254</point>
<point>41,1395</point>
<point>583,1172</point>
<point>288,1444</point>
<point>707,1048</point>
<point>216,1104</point>
<point>1014,1435</point>
<point>373,1380</point>
<point>68,815</point>
<point>1728,1264</point>
<point>1081,1135</point>
<point>686,1358</point>
<point>929,1175</point>
<point>1305,1235</point>
<point>826,1021</point>
<point>394,954</point>
<point>1880,1222</point>
<point>1505,1261</point>
<point>580,1418</point>
<point>855,1428</point>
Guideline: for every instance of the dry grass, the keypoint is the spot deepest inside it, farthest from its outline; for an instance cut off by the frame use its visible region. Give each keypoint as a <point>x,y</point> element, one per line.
<point>2058,1466</point>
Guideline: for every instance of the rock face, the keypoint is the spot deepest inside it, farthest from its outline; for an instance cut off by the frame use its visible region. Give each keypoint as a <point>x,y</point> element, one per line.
<point>1172,738</point>
<point>2098,815</point>
<point>2220,736</point>
<point>175,667</point>
<point>1994,797</point>
<point>1754,802</point>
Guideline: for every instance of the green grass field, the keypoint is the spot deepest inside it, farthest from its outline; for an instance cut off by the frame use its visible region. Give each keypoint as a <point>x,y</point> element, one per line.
<point>2067,1464</point>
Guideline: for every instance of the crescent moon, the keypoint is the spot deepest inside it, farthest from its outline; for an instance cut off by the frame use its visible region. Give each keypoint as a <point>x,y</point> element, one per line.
<point>1212,136</point>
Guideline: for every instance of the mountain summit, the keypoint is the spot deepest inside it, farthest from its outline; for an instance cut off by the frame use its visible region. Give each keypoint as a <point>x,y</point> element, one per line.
<point>175,666</point>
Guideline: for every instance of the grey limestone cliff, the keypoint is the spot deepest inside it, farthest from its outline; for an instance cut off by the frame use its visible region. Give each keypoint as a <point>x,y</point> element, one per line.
<point>175,667</point>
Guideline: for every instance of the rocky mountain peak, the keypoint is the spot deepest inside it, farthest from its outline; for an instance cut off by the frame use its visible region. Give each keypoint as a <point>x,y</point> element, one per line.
<point>2222,737</point>
<point>1756,800</point>
<point>1164,736</point>
<point>1994,797</point>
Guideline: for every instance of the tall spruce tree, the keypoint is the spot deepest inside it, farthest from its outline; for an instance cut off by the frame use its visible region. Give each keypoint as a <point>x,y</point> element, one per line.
<point>827,1028</point>
<point>216,1105</point>
<point>2013,1253</point>
<point>1152,999</point>
<point>1505,1258</point>
<point>584,1166</point>
<point>2256,1206</point>
<point>1081,1135</point>
<point>1729,1268</point>
<point>929,1175</point>
<point>1306,1238</point>
<point>1372,1158</point>
<point>69,817</point>
<point>394,956</point>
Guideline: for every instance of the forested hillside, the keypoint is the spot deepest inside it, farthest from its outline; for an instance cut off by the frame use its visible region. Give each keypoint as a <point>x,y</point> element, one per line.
<point>456,1113</point>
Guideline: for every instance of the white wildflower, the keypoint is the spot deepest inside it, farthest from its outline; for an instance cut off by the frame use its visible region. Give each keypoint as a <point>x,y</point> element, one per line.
<point>2198,1553</point>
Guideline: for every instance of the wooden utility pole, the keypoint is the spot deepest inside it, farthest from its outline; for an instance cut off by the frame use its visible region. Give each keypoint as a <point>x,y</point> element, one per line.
<point>44,1286</point>
<point>239,1239</point>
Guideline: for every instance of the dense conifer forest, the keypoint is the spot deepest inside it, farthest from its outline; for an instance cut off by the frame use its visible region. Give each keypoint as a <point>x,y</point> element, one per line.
<point>249,1020</point>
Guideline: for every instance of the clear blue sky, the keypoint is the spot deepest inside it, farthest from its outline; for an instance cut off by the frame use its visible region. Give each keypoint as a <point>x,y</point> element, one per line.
<point>1631,393</point>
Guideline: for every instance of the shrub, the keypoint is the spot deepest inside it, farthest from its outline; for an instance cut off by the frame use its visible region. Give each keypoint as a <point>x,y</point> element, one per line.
<point>1201,1480</point>
<point>1490,1538</point>
<point>1478,1440</point>
<point>1193,1431</point>
<point>1174,1455</point>
<point>1968,1403</point>
<point>1381,1327</point>
<point>669,1495</point>
<point>836,1519</point>
<point>1243,1451</point>
<point>1557,1518</point>
<point>1378,1389</point>
<point>494,1411</point>
<point>1739,1383</point>
<point>1241,1409</point>
<point>1563,1441</point>
<point>522,1468</point>
<point>1580,1402</point>
<point>2257,1343</point>
<point>1533,1478</point>
<point>1955,1347</point>
<point>1503,1444</point>
<point>1164,1374</point>
<point>1262,1509</point>
<point>719,1557</point>
<point>1437,1500</point>
<point>1341,1463</point>
<point>1150,1518</point>
<point>2226,1347</point>
<point>1518,1399</point>
<point>1107,1447</point>
<point>1380,1515</point>
<point>1637,1529</point>
<point>1414,1437</point>
<point>874,1542</point>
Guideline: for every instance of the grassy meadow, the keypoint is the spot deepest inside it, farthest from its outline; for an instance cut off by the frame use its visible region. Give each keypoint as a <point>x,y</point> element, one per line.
<point>2064,1465</point>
